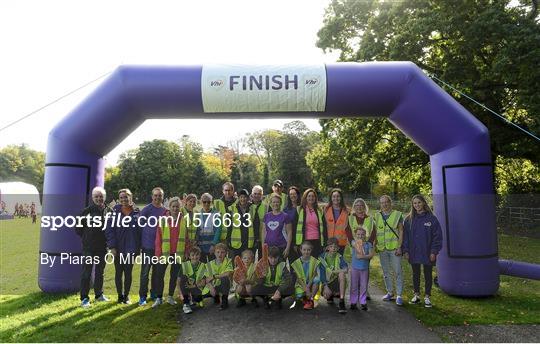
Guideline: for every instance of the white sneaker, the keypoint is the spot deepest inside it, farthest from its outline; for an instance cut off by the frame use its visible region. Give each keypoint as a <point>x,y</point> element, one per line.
<point>415,299</point>
<point>85,303</point>
<point>102,298</point>
<point>159,301</point>
<point>427,302</point>
<point>187,309</point>
<point>171,301</point>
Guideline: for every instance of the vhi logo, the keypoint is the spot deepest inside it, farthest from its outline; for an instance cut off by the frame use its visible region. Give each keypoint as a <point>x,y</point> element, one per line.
<point>311,81</point>
<point>217,83</point>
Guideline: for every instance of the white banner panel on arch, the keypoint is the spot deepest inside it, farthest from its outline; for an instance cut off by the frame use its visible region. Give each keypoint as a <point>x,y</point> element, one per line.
<point>247,88</point>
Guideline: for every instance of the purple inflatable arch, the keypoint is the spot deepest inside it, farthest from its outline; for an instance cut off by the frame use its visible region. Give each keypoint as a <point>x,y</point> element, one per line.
<point>457,143</point>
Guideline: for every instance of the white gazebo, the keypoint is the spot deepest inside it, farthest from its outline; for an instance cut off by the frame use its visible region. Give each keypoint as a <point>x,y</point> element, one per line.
<point>12,193</point>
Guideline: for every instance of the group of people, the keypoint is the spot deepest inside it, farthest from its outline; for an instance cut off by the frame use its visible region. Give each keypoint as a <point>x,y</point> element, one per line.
<point>21,210</point>
<point>285,244</point>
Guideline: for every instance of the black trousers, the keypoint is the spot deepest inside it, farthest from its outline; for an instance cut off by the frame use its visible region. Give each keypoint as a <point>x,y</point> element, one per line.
<point>427,277</point>
<point>86,274</point>
<point>145,274</point>
<point>160,278</point>
<point>195,293</point>
<point>122,276</point>
<point>224,287</point>
<point>262,290</point>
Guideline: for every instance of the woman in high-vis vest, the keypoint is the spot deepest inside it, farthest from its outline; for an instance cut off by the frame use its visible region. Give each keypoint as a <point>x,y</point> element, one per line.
<point>241,234</point>
<point>360,218</point>
<point>208,231</point>
<point>389,225</point>
<point>172,238</point>
<point>188,215</point>
<point>258,209</point>
<point>124,241</point>
<point>293,202</point>
<point>336,216</point>
<point>311,223</point>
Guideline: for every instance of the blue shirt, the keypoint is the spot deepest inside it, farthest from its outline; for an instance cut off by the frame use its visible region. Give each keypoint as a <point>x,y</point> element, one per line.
<point>207,233</point>
<point>336,213</point>
<point>322,269</point>
<point>361,264</point>
<point>386,216</point>
<point>305,266</point>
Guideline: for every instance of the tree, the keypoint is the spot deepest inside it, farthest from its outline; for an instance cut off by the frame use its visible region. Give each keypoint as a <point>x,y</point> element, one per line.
<point>292,150</point>
<point>20,163</point>
<point>488,49</point>
<point>264,144</point>
<point>245,172</point>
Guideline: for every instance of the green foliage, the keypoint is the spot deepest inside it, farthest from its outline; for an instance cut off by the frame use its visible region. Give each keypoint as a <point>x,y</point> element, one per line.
<point>282,154</point>
<point>488,49</point>
<point>293,146</point>
<point>354,154</point>
<point>176,167</point>
<point>245,173</point>
<point>20,163</point>
<point>517,176</point>
<point>263,144</point>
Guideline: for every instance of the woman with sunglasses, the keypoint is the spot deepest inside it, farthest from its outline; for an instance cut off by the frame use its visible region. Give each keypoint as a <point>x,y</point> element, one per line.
<point>208,231</point>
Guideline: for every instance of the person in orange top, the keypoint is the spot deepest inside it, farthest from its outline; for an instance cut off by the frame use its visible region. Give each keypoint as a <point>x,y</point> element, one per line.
<point>336,216</point>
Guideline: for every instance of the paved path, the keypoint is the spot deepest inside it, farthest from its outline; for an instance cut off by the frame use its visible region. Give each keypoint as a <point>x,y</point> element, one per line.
<point>383,322</point>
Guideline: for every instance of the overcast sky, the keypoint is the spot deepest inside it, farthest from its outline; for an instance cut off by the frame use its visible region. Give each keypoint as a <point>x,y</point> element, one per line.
<point>50,48</point>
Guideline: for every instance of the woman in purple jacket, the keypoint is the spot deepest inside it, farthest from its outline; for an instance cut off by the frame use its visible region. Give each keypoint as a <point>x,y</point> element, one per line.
<point>422,241</point>
<point>124,243</point>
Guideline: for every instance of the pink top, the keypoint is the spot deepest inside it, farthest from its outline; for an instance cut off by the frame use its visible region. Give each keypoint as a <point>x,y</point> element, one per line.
<point>312,225</point>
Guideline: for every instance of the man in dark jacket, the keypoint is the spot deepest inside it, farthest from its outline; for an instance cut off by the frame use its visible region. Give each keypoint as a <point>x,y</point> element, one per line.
<point>94,245</point>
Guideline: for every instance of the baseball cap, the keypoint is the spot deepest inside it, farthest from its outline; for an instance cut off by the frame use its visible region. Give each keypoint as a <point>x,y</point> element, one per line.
<point>278,183</point>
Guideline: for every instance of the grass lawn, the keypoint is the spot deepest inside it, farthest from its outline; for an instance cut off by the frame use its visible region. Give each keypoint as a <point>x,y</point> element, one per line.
<point>29,315</point>
<point>517,301</point>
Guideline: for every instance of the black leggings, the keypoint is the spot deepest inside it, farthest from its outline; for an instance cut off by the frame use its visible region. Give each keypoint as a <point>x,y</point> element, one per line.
<point>119,270</point>
<point>427,277</point>
<point>160,279</point>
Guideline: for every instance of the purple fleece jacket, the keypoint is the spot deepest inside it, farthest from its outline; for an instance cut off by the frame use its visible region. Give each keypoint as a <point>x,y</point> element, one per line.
<point>148,235</point>
<point>421,237</point>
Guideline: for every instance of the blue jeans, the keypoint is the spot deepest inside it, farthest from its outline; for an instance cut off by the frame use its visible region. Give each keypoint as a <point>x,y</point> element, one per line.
<point>391,264</point>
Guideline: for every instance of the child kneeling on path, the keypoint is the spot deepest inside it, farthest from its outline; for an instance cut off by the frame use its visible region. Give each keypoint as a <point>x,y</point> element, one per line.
<point>333,272</point>
<point>192,280</point>
<point>362,252</point>
<point>244,276</point>
<point>218,276</point>
<point>306,270</point>
<point>277,282</point>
